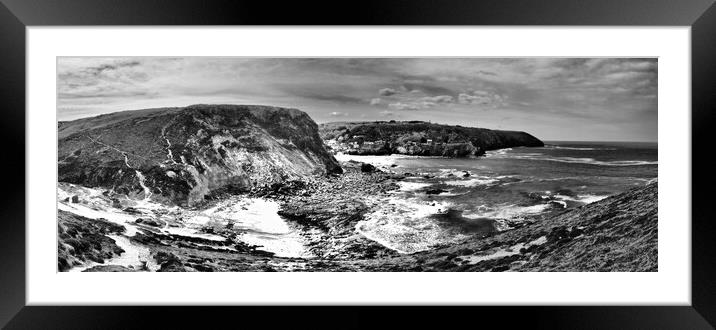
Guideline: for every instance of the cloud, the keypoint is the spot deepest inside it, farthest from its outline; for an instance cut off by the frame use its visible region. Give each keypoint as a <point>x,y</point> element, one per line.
<point>387,113</point>
<point>405,106</point>
<point>415,102</point>
<point>387,92</point>
<point>487,73</point>
<point>108,67</point>
<point>481,98</point>
<point>428,88</point>
<point>438,99</point>
<point>334,94</point>
<point>102,80</point>
<point>619,93</point>
<point>85,66</point>
<point>338,114</point>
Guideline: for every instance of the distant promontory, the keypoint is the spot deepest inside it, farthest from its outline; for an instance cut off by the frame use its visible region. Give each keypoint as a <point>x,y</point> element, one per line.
<point>419,138</point>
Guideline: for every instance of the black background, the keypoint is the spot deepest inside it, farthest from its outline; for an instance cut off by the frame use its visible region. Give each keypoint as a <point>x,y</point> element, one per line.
<point>15,15</point>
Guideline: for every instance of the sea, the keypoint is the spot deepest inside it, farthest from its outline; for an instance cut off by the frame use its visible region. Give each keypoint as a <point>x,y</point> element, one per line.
<point>445,200</point>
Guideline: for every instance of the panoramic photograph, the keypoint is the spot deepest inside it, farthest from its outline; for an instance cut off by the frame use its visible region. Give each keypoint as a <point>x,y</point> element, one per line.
<point>365,164</point>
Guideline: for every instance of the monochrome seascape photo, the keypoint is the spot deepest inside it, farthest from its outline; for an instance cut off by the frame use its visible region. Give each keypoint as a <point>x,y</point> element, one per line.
<point>365,164</point>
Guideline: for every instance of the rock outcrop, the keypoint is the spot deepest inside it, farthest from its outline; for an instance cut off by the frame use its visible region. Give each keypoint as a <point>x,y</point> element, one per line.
<point>82,240</point>
<point>420,138</point>
<point>181,155</point>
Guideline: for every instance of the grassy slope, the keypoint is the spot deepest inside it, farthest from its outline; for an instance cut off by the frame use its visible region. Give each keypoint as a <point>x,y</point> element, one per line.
<point>82,240</point>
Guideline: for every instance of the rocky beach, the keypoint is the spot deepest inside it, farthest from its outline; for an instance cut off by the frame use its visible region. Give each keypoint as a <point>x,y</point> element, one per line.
<point>251,188</point>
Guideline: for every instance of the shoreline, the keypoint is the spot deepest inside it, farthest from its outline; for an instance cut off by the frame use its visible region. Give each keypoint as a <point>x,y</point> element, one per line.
<point>328,214</point>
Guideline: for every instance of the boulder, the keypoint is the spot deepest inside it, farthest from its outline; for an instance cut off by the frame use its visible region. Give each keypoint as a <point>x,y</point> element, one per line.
<point>150,222</point>
<point>436,191</point>
<point>367,168</point>
<point>131,210</point>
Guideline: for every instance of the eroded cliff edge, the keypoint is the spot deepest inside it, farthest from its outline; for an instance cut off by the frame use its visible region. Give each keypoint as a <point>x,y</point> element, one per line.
<point>181,155</point>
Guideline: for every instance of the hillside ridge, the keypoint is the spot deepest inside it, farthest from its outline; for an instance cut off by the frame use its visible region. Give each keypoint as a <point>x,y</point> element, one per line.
<point>182,155</point>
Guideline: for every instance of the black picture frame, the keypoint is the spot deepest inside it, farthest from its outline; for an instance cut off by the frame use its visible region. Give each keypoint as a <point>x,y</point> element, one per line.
<point>16,15</point>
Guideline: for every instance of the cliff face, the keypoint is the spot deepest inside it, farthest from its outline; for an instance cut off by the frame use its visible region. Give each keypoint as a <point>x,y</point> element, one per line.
<point>182,154</point>
<point>421,138</point>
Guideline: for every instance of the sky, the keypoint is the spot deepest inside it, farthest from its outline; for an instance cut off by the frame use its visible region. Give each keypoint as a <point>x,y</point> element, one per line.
<point>567,99</point>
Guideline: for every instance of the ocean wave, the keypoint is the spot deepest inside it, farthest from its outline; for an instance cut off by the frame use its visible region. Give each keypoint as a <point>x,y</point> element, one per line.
<point>404,225</point>
<point>589,161</point>
<point>586,199</point>
<point>451,172</point>
<point>576,148</point>
<point>497,152</point>
<point>508,211</point>
<point>482,180</point>
<point>412,186</point>
<point>380,161</point>
<point>451,194</point>
<point>473,182</point>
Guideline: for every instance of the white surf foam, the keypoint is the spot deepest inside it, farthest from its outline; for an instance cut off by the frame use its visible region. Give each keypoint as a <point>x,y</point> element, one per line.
<point>586,199</point>
<point>381,161</point>
<point>384,161</point>
<point>577,148</point>
<point>451,172</point>
<point>473,182</point>
<point>577,160</point>
<point>509,211</point>
<point>404,225</point>
<point>498,152</point>
<point>412,186</point>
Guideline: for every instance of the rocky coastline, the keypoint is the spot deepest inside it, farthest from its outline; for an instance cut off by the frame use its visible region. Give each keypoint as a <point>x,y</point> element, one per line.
<point>618,234</point>
<point>615,234</point>
<point>167,190</point>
